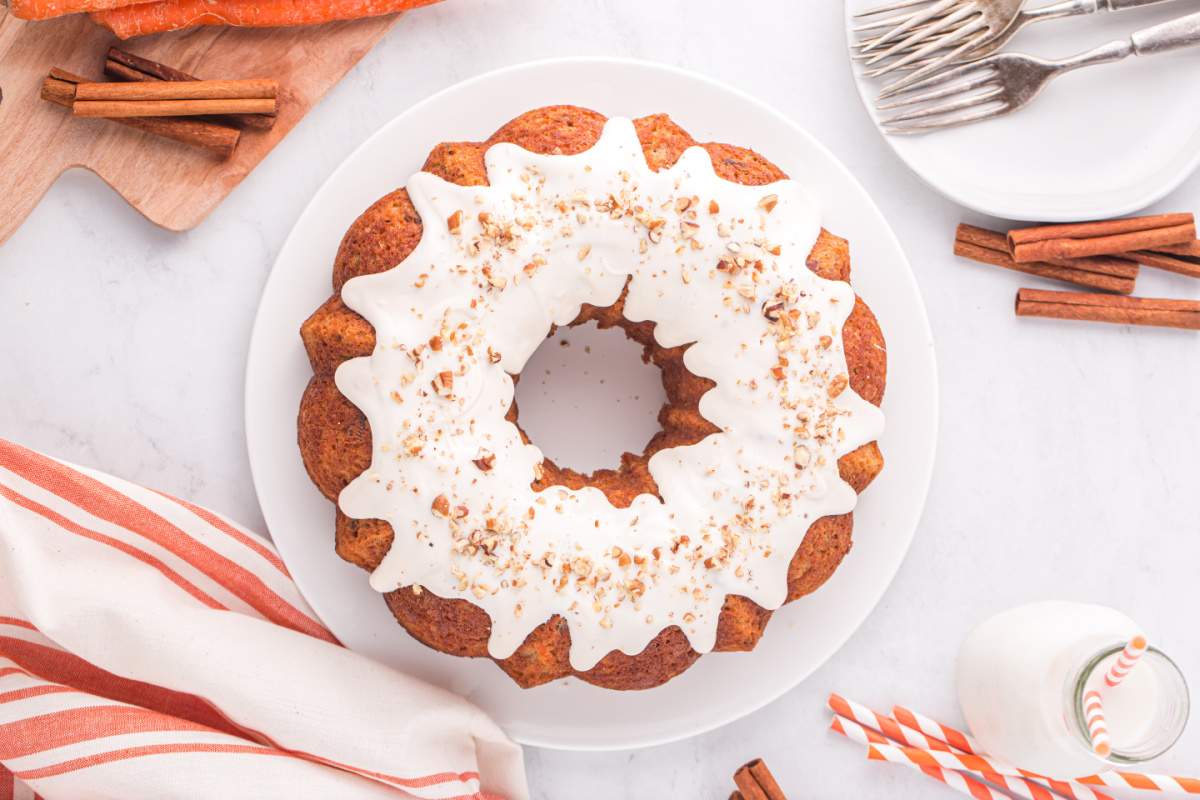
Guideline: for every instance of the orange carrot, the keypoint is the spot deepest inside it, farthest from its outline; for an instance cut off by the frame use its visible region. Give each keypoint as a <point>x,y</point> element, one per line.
<point>170,15</point>
<point>45,9</point>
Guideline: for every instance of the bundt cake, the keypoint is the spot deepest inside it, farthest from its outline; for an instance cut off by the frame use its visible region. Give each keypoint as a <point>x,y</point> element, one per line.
<point>704,254</point>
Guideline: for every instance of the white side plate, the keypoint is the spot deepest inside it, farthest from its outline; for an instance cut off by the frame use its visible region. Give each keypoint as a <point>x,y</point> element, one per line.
<point>571,714</point>
<point>1101,142</point>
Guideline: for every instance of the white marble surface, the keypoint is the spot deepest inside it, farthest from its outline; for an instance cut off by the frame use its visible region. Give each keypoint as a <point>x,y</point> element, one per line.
<point>1069,458</point>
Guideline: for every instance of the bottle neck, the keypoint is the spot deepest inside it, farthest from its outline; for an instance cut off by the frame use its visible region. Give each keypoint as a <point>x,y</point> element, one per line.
<point>1145,715</point>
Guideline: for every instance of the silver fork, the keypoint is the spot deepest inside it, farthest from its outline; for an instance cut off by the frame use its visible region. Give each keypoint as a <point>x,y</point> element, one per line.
<point>1025,17</point>
<point>931,26</point>
<point>1003,83</point>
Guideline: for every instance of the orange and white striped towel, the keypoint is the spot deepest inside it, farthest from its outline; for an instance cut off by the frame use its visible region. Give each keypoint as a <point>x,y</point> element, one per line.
<point>151,649</point>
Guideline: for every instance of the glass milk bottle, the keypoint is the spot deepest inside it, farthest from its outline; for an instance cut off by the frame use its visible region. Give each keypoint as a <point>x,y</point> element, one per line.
<point>1022,676</point>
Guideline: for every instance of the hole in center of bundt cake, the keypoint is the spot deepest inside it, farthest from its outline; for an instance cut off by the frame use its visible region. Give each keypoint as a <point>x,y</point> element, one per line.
<point>587,396</point>
<point>588,403</point>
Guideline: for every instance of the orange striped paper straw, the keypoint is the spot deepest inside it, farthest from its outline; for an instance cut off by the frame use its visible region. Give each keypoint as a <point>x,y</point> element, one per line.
<point>960,782</point>
<point>879,722</point>
<point>1140,780</point>
<point>962,742</point>
<point>925,758</point>
<point>1093,717</point>
<point>1126,661</point>
<point>855,732</point>
<point>955,738</point>
<point>1022,787</point>
<point>901,734</point>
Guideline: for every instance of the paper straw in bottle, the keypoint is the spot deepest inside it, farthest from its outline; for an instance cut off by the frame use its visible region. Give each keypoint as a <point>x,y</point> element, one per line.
<point>1093,717</point>
<point>1126,661</point>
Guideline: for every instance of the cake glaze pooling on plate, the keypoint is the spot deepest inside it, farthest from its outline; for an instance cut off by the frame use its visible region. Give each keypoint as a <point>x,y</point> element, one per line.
<point>709,261</point>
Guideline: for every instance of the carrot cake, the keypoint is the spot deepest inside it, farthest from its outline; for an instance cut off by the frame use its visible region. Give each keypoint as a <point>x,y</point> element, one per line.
<point>709,257</point>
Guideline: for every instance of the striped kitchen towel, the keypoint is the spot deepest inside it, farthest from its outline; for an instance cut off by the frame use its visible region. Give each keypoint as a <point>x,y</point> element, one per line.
<point>151,649</point>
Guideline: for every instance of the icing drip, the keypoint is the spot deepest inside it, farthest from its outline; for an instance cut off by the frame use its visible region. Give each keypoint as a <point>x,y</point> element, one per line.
<point>712,263</point>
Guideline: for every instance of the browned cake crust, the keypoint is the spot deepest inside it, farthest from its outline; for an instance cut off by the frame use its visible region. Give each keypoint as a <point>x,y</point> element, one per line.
<point>335,439</point>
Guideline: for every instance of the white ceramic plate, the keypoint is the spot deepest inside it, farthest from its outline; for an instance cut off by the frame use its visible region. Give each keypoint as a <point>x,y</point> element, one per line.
<point>571,714</point>
<point>1104,141</point>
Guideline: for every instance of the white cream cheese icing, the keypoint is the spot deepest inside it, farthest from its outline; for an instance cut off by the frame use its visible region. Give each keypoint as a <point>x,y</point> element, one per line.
<point>713,263</point>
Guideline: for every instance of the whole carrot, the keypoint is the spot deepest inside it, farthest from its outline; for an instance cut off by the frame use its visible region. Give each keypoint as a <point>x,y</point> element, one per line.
<point>45,9</point>
<point>169,15</point>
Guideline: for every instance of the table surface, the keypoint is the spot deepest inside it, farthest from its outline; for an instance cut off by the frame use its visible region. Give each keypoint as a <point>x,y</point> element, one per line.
<point>1068,458</point>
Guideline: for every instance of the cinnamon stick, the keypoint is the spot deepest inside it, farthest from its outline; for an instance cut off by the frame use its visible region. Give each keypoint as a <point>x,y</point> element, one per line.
<point>151,69</point>
<point>756,782</point>
<point>1079,240</point>
<point>1183,259</point>
<point>59,88</point>
<point>1186,250</point>
<point>991,247</point>
<point>1122,265</point>
<point>120,109</point>
<point>121,72</point>
<point>129,67</point>
<point>244,89</point>
<point>1109,308</point>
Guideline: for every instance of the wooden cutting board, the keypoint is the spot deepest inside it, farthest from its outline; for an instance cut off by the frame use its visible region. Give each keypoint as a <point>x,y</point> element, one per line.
<point>172,184</point>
